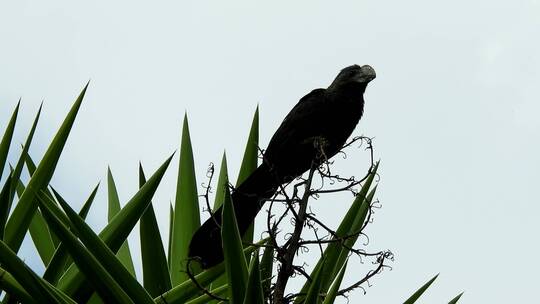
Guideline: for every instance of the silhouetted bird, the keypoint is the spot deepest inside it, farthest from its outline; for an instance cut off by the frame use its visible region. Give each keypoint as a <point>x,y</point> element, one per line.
<point>322,120</point>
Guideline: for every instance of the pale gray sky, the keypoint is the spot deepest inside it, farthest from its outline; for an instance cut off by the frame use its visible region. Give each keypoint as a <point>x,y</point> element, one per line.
<point>453,111</point>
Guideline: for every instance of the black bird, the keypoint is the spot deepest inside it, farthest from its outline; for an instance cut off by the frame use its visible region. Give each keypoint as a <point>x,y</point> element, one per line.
<point>321,120</point>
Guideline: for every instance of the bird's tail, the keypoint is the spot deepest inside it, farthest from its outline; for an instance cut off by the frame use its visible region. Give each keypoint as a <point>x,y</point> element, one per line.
<point>248,198</point>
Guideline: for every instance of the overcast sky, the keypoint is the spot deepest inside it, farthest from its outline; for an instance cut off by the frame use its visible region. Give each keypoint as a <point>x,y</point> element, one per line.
<point>453,111</point>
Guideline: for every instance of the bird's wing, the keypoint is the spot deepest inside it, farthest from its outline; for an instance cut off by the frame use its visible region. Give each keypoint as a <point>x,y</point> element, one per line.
<point>304,108</point>
<point>303,122</point>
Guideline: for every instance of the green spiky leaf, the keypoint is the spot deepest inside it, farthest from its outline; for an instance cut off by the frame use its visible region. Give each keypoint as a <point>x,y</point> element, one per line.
<point>249,164</point>
<point>412,299</point>
<point>235,262</point>
<point>14,289</point>
<point>156,276</point>
<point>61,259</point>
<point>98,276</point>
<point>116,232</point>
<point>32,283</point>
<point>7,137</point>
<point>456,299</point>
<point>267,263</point>
<point>39,231</point>
<point>254,290</point>
<point>123,254</point>
<point>315,286</point>
<point>107,258</point>
<point>31,166</point>
<point>205,298</point>
<point>335,254</point>
<point>16,174</point>
<point>186,210</point>
<point>187,290</point>
<point>19,220</point>
<point>333,291</point>
<point>222,183</point>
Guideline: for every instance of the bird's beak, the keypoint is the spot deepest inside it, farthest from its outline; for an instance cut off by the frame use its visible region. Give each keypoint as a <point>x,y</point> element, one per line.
<point>367,74</point>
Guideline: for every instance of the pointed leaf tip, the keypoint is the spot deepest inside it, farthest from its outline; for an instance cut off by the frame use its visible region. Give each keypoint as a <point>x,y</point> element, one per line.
<point>456,299</point>
<point>170,158</point>
<point>412,299</point>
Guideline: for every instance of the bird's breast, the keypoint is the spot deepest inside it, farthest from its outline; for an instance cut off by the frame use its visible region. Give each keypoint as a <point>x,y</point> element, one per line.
<point>344,120</point>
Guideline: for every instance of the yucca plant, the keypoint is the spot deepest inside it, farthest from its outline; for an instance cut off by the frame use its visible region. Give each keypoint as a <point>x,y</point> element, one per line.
<point>83,266</point>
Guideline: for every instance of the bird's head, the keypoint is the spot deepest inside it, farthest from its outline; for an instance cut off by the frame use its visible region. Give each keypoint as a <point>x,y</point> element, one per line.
<point>353,75</point>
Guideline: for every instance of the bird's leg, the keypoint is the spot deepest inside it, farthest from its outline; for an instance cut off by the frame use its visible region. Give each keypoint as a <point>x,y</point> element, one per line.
<point>320,144</point>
